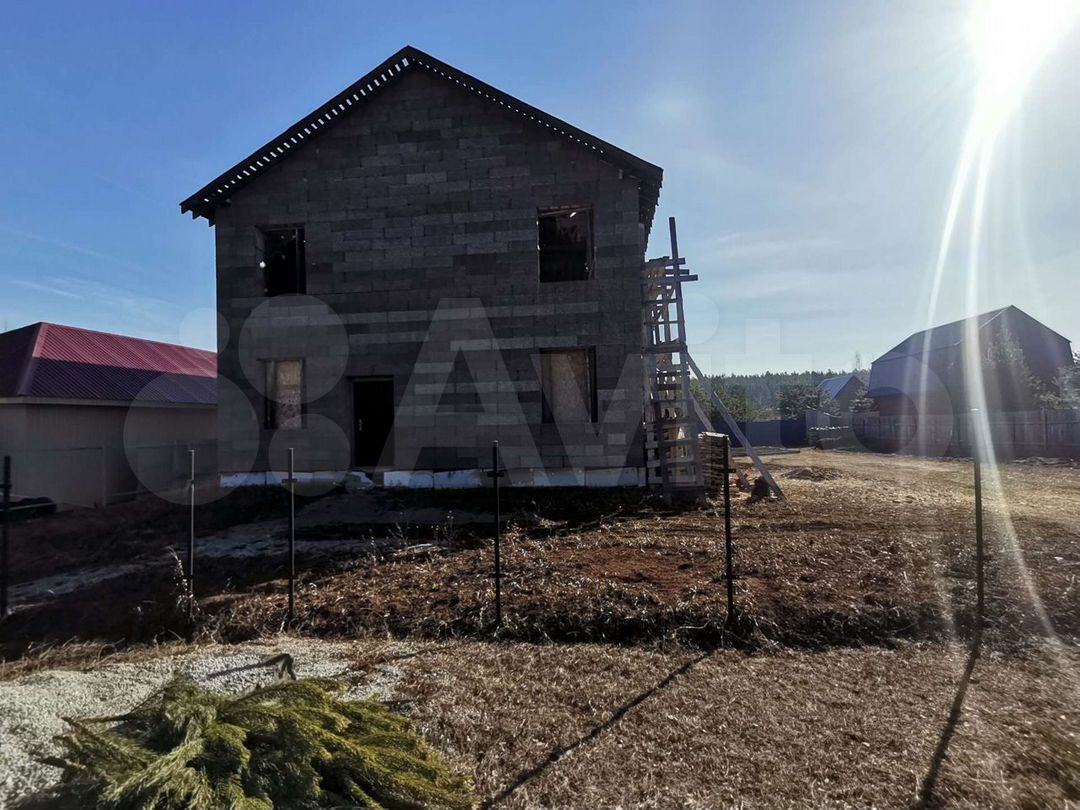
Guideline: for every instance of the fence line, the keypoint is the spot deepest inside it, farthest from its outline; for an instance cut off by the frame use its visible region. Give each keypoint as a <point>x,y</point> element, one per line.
<point>1014,434</point>
<point>774,432</point>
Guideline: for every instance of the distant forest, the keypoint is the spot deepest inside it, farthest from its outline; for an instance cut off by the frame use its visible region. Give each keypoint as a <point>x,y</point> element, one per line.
<point>756,396</point>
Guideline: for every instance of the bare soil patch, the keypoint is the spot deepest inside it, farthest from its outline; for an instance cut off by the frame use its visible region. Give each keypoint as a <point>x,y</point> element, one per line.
<point>811,473</point>
<point>868,549</point>
<point>68,541</point>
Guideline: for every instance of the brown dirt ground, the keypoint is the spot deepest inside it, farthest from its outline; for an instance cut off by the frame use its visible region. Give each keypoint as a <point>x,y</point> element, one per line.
<point>865,549</point>
<point>146,605</point>
<point>147,525</point>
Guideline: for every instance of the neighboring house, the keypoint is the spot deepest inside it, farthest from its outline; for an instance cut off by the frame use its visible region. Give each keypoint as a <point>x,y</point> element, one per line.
<point>842,390</point>
<point>420,267</point>
<point>81,410</point>
<point>929,372</point>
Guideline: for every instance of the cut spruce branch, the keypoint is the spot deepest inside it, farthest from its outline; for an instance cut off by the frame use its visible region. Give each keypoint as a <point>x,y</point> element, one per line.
<point>292,744</point>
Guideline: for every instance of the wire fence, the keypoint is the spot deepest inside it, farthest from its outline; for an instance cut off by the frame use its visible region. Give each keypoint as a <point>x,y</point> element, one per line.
<point>178,471</point>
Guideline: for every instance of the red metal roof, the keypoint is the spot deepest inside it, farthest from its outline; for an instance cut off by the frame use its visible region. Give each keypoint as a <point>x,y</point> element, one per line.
<point>62,362</point>
<point>55,342</point>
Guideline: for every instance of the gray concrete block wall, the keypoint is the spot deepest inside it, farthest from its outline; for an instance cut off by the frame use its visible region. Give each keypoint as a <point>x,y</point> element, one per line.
<point>419,212</point>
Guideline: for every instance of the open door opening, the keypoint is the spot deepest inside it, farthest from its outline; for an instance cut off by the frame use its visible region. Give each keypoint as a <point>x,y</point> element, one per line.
<point>373,421</point>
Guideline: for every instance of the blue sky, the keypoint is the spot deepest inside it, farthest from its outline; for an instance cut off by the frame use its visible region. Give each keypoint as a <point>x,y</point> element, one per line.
<point>808,148</point>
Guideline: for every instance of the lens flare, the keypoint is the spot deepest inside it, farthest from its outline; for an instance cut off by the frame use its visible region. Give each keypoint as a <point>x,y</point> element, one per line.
<point>1009,41</point>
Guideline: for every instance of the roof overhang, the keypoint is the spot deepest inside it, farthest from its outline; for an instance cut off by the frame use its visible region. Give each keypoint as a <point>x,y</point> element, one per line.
<point>216,193</point>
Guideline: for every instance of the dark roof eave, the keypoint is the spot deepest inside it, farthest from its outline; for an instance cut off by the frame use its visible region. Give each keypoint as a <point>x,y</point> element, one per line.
<point>217,192</point>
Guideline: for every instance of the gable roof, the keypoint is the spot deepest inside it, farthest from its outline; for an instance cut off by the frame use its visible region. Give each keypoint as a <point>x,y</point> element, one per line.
<point>940,337</point>
<point>50,361</point>
<point>834,385</point>
<point>954,333</point>
<point>930,360</point>
<point>205,201</point>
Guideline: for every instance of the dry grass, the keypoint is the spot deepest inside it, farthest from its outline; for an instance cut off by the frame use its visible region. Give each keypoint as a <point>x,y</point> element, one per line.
<point>591,725</point>
<point>906,532</point>
<point>83,655</point>
<point>847,728</point>
<point>550,697</point>
<point>147,525</point>
<point>866,549</point>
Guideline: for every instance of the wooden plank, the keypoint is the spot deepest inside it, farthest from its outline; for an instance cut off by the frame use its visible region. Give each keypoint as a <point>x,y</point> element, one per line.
<point>731,423</point>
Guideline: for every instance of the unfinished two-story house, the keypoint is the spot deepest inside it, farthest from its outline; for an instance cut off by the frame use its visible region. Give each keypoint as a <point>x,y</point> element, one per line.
<point>420,267</point>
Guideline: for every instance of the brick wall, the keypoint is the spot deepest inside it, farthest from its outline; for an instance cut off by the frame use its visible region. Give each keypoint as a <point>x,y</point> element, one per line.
<point>420,218</point>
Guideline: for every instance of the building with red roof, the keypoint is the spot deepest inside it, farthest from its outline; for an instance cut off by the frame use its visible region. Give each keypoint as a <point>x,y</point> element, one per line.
<point>89,417</point>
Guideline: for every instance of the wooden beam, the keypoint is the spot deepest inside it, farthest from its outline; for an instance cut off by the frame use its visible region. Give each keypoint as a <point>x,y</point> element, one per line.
<point>734,427</point>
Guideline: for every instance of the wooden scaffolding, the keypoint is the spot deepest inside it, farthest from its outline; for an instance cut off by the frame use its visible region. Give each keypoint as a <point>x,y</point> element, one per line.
<point>672,415</point>
<point>671,450</point>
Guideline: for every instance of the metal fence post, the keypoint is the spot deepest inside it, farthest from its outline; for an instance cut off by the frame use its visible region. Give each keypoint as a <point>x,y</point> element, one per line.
<point>291,481</point>
<point>191,548</point>
<point>728,550</point>
<point>496,474</point>
<point>4,538</point>
<point>979,557</point>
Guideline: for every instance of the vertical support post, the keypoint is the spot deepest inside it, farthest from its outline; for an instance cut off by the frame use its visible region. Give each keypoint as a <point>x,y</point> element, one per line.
<point>729,552</point>
<point>4,538</point>
<point>979,556</point>
<point>191,548</point>
<point>496,474</point>
<point>684,354</point>
<point>292,536</point>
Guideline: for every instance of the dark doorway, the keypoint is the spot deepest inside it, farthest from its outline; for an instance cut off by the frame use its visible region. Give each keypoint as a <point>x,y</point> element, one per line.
<point>373,419</point>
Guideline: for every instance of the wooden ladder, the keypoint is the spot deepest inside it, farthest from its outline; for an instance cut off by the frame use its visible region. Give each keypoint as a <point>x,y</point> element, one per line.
<point>671,447</point>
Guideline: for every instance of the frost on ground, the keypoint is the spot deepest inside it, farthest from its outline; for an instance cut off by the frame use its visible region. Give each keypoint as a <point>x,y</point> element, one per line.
<point>32,707</point>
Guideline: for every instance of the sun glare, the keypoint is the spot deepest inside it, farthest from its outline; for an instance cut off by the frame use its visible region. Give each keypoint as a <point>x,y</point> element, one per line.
<point>1009,39</point>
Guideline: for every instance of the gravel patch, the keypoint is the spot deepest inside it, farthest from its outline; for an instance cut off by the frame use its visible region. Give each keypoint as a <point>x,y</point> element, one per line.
<point>31,707</point>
